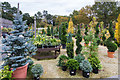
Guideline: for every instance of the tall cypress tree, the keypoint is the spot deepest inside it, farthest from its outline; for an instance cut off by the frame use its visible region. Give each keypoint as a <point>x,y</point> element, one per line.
<point>63,34</point>
<point>48,31</point>
<point>52,30</point>
<point>79,39</point>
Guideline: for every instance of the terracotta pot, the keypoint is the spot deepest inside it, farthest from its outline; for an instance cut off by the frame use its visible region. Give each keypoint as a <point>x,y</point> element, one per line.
<point>111,54</point>
<point>20,72</point>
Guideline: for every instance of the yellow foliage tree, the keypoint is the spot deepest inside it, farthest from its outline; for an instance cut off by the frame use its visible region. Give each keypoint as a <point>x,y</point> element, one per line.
<point>70,26</point>
<point>93,23</point>
<point>117,31</point>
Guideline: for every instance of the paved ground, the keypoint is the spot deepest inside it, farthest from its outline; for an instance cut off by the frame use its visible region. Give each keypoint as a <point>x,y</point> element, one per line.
<point>109,66</point>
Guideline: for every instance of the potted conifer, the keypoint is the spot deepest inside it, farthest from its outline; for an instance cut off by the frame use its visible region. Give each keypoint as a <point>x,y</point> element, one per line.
<point>86,68</point>
<point>95,63</point>
<point>79,39</point>
<point>62,62</point>
<point>70,46</point>
<point>17,47</point>
<point>63,36</point>
<point>111,45</point>
<point>73,65</point>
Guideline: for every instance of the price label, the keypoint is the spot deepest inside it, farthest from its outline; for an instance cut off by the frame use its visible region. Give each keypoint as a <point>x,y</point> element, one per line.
<point>72,72</point>
<point>87,73</point>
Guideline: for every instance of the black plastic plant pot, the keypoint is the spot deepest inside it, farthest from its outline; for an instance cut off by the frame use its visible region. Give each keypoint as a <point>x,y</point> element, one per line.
<point>37,78</point>
<point>85,74</point>
<point>79,68</point>
<point>72,72</point>
<point>51,46</point>
<point>45,46</point>
<point>63,46</point>
<point>64,68</point>
<point>39,46</point>
<point>95,70</point>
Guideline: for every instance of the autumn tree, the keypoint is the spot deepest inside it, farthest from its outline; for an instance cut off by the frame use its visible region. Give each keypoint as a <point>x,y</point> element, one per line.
<point>105,11</point>
<point>70,27</point>
<point>117,31</point>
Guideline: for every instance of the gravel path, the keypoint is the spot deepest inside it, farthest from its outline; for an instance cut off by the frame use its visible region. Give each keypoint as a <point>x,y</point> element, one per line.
<point>109,66</point>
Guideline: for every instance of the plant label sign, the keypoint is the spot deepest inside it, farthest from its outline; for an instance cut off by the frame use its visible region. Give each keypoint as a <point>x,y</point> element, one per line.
<point>72,72</point>
<point>88,74</point>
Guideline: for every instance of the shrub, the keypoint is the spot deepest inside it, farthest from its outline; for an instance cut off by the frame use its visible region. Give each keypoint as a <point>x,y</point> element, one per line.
<point>79,39</point>
<point>72,64</point>
<point>62,60</point>
<point>95,62</point>
<point>30,62</point>
<point>70,49</point>
<point>5,74</point>
<point>79,58</point>
<point>86,66</point>
<point>86,39</point>
<point>112,47</point>
<point>37,70</point>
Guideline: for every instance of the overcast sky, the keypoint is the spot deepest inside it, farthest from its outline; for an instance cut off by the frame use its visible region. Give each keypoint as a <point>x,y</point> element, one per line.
<point>54,7</point>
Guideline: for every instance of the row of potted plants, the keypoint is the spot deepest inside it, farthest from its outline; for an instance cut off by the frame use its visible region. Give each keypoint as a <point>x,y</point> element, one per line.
<point>92,64</point>
<point>43,41</point>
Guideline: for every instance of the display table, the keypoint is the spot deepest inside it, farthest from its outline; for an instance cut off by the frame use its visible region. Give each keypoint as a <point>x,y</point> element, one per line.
<point>56,49</point>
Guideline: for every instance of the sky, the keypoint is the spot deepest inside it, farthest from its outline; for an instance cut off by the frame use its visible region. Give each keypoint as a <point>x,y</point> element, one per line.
<point>54,7</point>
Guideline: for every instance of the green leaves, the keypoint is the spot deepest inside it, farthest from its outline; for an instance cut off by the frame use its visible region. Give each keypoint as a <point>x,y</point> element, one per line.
<point>79,39</point>
<point>37,70</point>
<point>70,49</point>
<point>95,62</point>
<point>6,74</point>
<point>72,64</point>
<point>86,66</point>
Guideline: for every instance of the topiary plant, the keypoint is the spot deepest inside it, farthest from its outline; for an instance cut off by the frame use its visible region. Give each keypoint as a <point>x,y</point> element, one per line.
<point>86,66</point>
<point>70,49</point>
<point>97,33</point>
<point>60,32</point>
<point>18,45</point>
<point>37,70</point>
<point>79,58</point>
<point>112,47</point>
<point>72,64</point>
<point>86,30</point>
<point>63,34</point>
<point>62,60</point>
<point>52,30</point>
<point>48,31</point>
<point>79,39</point>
